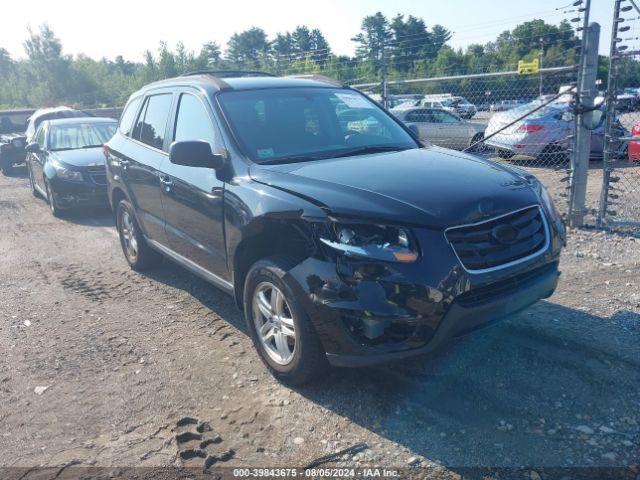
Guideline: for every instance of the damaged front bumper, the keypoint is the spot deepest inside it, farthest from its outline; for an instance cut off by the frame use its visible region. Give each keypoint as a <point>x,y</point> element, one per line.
<point>373,312</point>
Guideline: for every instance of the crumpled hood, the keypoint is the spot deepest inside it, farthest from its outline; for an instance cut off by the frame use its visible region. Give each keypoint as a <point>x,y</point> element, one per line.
<point>432,187</point>
<point>83,157</point>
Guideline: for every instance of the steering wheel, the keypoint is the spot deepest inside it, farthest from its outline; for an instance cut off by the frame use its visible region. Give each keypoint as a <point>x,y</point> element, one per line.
<point>350,134</point>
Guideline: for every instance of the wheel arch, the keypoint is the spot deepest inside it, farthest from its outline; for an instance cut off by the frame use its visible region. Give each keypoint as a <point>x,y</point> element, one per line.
<point>117,195</point>
<point>268,237</point>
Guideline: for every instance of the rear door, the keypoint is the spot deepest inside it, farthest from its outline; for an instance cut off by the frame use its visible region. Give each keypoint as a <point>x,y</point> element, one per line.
<point>147,150</point>
<point>193,197</point>
<point>451,131</point>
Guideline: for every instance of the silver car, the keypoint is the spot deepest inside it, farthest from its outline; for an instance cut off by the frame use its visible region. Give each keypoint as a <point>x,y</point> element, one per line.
<point>442,128</point>
<point>546,133</point>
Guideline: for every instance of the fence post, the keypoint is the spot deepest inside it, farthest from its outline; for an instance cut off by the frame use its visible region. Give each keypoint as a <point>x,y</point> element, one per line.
<point>585,96</point>
<point>610,99</point>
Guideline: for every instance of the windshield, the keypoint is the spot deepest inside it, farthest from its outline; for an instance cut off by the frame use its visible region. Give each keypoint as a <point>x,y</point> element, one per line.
<point>298,124</point>
<point>80,135</point>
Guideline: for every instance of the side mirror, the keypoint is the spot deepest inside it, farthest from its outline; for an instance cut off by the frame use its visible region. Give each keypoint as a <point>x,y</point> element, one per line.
<point>33,147</point>
<point>195,153</point>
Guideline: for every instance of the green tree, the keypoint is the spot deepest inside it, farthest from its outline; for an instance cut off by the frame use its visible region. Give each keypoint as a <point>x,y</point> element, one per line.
<point>410,40</point>
<point>210,55</point>
<point>48,68</point>
<point>371,42</point>
<point>249,49</point>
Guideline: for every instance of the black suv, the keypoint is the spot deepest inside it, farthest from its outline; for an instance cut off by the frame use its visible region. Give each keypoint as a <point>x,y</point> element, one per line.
<point>344,240</point>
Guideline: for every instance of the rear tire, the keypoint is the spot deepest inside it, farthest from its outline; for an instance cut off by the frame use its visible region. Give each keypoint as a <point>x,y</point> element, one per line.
<point>304,357</point>
<point>139,255</point>
<point>553,154</point>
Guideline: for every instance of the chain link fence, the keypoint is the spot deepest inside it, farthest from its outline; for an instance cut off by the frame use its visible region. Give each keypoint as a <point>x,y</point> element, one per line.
<point>521,120</point>
<point>620,198</point>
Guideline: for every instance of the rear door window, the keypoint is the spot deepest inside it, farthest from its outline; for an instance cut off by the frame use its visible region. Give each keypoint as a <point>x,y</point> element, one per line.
<point>126,120</point>
<point>152,122</point>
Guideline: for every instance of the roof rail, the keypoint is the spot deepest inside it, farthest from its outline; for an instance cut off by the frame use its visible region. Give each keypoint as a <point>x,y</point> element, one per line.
<point>229,73</point>
<point>320,78</point>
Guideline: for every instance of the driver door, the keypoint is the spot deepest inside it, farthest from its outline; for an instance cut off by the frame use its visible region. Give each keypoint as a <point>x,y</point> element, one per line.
<point>193,198</point>
<point>38,159</point>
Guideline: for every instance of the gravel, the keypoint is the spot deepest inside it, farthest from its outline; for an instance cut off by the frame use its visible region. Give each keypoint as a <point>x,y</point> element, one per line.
<point>555,386</point>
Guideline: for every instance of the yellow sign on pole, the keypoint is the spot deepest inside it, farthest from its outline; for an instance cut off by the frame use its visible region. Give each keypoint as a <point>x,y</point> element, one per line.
<point>528,68</point>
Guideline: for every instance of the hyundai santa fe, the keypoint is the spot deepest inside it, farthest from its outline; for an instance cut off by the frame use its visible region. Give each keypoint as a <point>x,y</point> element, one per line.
<point>344,240</point>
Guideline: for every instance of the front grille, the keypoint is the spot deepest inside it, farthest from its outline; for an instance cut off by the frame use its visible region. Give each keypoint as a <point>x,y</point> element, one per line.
<point>499,241</point>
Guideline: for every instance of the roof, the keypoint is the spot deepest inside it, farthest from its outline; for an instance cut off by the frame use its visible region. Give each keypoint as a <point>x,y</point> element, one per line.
<point>44,111</point>
<point>75,120</point>
<point>214,83</point>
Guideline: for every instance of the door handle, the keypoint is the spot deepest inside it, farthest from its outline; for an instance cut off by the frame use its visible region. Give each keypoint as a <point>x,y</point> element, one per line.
<point>166,182</point>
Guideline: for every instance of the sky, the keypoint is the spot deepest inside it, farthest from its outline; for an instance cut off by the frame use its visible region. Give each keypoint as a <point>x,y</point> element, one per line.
<point>129,27</point>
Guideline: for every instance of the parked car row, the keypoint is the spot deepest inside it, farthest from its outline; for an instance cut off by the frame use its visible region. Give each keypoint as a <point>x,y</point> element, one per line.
<point>343,238</point>
<point>537,129</point>
<point>66,164</point>
<point>546,133</point>
<point>17,129</point>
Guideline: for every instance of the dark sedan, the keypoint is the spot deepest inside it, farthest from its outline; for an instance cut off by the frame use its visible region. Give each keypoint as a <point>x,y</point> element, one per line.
<point>66,163</point>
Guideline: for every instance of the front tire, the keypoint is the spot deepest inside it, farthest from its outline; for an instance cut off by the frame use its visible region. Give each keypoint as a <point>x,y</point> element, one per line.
<point>279,325</point>
<point>6,167</point>
<point>480,147</point>
<point>56,211</point>
<point>139,255</point>
<point>32,183</point>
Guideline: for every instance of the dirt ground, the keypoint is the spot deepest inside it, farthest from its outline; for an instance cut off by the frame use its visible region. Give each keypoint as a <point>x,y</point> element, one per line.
<point>106,367</point>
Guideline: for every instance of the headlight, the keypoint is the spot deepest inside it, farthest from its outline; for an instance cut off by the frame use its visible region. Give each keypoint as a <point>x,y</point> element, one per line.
<point>540,190</point>
<point>64,173</point>
<point>374,242</point>
<point>548,202</point>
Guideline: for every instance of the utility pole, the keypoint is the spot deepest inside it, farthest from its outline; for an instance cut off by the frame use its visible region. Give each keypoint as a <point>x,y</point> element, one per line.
<point>585,96</point>
<point>610,99</point>
<point>540,55</point>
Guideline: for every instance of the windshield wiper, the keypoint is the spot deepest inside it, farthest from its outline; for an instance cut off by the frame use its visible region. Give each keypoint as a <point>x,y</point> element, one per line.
<point>329,155</point>
<point>293,159</point>
<point>369,149</point>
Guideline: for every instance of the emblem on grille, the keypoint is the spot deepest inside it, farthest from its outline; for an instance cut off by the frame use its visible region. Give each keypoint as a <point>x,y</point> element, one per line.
<point>505,234</point>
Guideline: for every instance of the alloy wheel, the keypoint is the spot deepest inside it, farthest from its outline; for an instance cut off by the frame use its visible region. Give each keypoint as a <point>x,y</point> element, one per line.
<point>51,200</point>
<point>273,320</point>
<point>128,234</point>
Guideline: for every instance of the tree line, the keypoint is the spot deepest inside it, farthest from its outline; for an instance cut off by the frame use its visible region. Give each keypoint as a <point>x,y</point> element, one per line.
<point>401,47</point>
